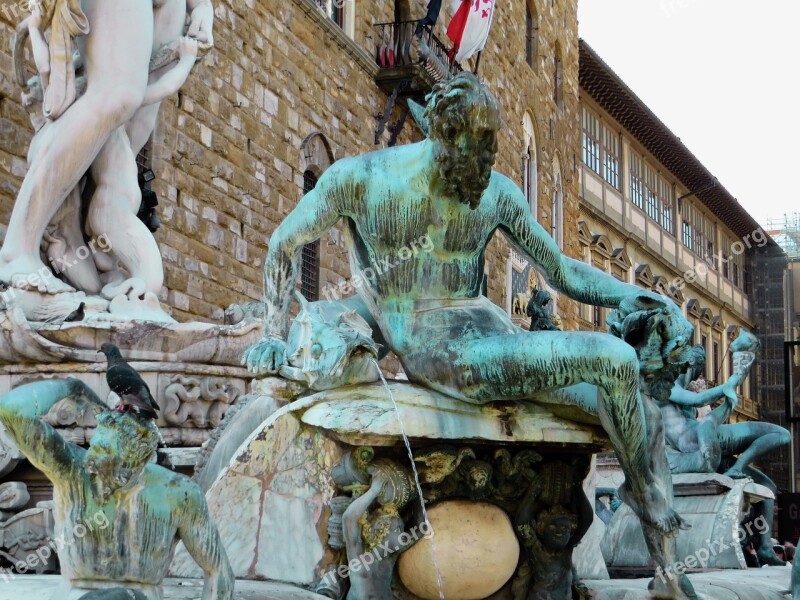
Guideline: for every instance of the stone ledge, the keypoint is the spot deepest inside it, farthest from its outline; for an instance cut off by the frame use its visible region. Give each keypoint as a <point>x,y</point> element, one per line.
<point>43,587</point>
<point>364,414</point>
<point>766,583</point>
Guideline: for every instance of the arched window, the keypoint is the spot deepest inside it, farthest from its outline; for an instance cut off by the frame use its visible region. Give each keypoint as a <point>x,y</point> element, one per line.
<point>531,35</point>
<point>530,166</point>
<point>315,157</point>
<point>558,77</point>
<point>557,205</point>
<point>309,263</point>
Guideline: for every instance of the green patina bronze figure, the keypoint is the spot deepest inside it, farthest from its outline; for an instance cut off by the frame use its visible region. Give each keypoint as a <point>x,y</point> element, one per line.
<point>429,309</point>
<point>709,444</point>
<point>146,509</point>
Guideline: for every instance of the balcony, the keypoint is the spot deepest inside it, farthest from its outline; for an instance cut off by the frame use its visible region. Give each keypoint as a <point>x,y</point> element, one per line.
<point>410,59</point>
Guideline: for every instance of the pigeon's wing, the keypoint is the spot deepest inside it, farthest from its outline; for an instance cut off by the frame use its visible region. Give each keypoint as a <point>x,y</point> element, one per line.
<point>140,405</point>
<point>120,380</point>
<point>145,393</point>
<point>153,402</point>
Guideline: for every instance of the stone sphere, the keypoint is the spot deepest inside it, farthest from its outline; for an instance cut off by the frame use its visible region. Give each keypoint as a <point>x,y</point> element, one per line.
<point>476,550</point>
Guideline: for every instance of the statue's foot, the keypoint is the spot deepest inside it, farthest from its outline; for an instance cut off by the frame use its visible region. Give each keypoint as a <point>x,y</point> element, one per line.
<point>767,556</point>
<point>581,592</point>
<point>672,587</point>
<point>652,508</point>
<point>31,274</point>
<point>735,473</point>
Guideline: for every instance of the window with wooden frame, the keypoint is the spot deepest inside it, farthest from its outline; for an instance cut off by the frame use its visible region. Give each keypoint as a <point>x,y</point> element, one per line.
<point>651,201</point>
<point>611,156</point>
<point>637,179</point>
<point>591,141</point>
<point>334,9</point>
<point>666,196</point>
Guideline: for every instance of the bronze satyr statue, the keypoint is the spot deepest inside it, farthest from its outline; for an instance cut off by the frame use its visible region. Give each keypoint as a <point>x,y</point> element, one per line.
<point>148,508</point>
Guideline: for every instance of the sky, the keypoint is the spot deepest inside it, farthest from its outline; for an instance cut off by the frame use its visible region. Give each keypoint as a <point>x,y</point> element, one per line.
<point>724,76</point>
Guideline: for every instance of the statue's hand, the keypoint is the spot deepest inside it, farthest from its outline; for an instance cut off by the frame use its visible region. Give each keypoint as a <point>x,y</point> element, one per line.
<point>266,357</point>
<point>188,48</point>
<point>730,394</point>
<point>201,24</point>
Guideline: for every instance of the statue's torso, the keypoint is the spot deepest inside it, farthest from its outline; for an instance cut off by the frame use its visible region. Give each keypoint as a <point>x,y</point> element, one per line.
<point>129,539</point>
<point>680,430</point>
<point>408,245</point>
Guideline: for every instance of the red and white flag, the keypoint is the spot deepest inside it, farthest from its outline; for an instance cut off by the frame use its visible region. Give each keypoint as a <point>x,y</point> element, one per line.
<point>470,26</point>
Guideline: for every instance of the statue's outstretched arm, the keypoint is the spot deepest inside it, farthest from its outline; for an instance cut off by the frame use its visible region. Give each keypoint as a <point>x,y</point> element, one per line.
<point>684,397</point>
<point>576,279</point>
<point>201,538</point>
<point>44,447</point>
<point>313,216</point>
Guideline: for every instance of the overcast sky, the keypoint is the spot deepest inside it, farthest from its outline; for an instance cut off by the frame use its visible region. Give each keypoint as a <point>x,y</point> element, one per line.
<point>724,77</point>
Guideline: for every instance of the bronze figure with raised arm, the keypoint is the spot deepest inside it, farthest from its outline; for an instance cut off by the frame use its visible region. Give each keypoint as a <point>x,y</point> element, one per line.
<point>145,509</point>
<point>429,309</point>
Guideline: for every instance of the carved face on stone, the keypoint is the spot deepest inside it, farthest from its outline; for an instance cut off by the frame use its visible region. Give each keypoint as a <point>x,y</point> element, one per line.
<point>555,528</point>
<point>464,119</point>
<point>328,347</point>
<point>662,338</point>
<point>120,448</point>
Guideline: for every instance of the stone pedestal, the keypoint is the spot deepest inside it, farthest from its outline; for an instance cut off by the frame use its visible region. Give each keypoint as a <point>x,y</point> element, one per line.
<point>272,500</point>
<point>712,504</point>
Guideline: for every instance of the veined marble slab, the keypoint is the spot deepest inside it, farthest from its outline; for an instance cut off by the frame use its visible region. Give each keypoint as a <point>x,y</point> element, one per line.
<point>365,414</point>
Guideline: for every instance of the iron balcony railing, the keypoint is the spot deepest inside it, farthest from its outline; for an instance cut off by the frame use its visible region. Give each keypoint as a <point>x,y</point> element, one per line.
<point>405,44</point>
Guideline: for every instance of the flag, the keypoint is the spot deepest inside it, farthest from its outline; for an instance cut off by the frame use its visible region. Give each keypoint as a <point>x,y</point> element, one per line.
<point>470,26</point>
<point>434,8</point>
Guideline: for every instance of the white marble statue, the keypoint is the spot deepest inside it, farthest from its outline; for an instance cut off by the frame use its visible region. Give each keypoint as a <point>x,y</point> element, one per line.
<point>98,132</point>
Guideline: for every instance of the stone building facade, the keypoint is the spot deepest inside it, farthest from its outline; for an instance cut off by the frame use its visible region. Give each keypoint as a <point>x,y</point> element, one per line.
<point>653,215</point>
<point>291,87</point>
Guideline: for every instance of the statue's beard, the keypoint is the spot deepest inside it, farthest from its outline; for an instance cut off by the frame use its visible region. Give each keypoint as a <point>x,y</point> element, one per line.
<point>107,476</point>
<point>465,178</point>
<point>103,488</point>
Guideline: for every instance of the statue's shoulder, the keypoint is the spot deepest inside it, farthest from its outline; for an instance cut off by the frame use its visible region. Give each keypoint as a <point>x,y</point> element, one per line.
<point>365,167</point>
<point>175,485</point>
<point>503,185</point>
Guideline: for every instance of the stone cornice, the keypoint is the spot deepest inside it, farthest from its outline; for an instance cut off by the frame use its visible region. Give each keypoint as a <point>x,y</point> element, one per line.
<point>353,50</point>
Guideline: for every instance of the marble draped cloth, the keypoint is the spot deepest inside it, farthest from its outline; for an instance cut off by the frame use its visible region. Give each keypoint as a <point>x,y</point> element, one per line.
<point>68,22</point>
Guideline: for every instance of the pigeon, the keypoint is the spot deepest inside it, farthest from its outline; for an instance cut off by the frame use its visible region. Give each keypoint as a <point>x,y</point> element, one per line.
<point>77,314</point>
<point>126,383</point>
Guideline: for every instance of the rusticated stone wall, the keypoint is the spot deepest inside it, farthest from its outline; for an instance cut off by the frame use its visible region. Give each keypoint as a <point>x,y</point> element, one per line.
<point>228,152</point>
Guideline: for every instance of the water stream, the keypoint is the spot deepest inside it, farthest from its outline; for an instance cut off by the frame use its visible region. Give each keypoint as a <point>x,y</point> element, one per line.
<point>416,481</point>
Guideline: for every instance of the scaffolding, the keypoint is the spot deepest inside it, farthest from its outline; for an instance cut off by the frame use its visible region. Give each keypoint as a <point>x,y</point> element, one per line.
<point>785,231</point>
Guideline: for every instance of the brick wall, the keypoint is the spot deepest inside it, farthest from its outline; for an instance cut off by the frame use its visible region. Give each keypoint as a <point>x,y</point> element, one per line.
<point>227,151</point>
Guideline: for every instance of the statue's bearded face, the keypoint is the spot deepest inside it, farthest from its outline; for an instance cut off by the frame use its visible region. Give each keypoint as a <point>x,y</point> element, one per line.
<point>465,157</point>
<point>464,118</point>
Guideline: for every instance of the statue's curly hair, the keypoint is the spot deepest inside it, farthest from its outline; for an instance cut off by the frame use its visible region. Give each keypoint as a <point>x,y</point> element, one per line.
<point>455,102</point>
